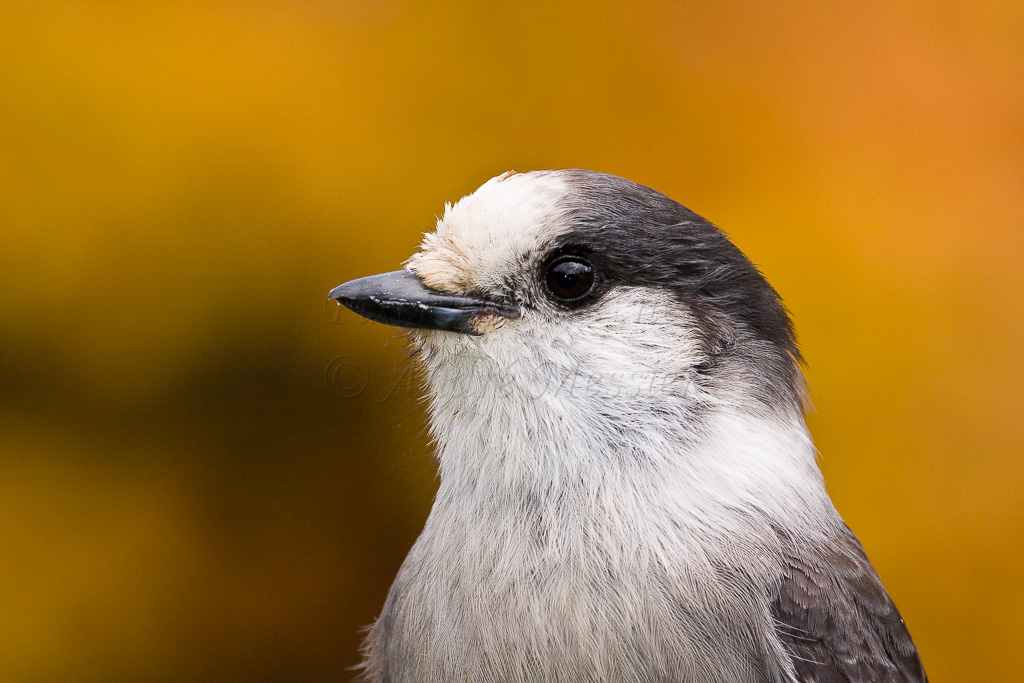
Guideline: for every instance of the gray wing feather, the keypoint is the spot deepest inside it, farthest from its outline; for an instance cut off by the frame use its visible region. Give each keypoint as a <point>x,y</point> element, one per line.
<point>837,622</point>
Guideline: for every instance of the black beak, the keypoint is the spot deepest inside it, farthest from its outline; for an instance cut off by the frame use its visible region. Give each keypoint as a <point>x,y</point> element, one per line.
<point>399,298</point>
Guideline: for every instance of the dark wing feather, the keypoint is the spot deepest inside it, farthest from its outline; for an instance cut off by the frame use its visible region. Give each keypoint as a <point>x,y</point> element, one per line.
<point>838,623</point>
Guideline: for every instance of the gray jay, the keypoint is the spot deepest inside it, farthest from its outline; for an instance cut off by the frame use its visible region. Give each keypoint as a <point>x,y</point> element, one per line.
<point>628,490</point>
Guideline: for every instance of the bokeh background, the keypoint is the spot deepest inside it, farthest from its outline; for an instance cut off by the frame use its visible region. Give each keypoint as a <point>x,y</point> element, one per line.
<point>206,474</point>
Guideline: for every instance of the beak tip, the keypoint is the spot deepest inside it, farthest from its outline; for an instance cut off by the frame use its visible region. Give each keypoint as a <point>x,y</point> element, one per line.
<point>338,293</point>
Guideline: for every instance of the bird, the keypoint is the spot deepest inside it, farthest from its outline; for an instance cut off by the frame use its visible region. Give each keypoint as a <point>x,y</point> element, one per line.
<point>628,490</point>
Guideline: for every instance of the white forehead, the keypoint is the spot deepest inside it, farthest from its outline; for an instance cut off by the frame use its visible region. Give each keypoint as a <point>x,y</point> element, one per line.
<point>484,235</point>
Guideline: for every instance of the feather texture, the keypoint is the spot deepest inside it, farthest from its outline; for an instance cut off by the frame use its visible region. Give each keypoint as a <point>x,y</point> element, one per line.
<point>837,622</point>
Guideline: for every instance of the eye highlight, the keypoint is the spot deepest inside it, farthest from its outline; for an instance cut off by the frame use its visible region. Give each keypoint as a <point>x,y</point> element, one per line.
<point>569,278</point>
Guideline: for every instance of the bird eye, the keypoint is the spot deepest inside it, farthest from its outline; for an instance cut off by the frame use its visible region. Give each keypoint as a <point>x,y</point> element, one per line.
<point>569,278</point>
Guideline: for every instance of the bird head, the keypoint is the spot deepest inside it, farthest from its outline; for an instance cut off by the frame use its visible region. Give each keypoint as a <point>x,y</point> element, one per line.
<point>574,285</point>
<point>574,325</point>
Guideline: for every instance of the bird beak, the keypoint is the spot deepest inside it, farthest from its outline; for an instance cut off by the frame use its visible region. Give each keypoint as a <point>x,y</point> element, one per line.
<point>400,298</point>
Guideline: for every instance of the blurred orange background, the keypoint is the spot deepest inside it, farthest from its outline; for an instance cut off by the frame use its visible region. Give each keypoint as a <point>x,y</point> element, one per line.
<point>208,474</point>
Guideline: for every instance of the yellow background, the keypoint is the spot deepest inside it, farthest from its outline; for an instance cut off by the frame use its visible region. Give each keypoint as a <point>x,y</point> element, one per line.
<point>187,489</point>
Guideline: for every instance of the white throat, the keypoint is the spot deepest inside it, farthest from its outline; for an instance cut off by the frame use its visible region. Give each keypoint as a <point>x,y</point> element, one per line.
<point>533,413</point>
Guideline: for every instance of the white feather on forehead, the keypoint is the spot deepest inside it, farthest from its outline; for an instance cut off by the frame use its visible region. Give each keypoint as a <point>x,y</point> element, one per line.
<point>479,238</point>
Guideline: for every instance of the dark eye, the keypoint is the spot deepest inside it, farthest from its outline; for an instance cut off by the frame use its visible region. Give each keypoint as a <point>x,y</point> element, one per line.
<point>569,278</point>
